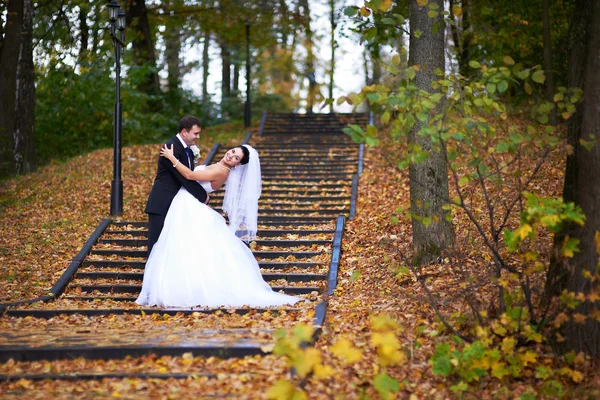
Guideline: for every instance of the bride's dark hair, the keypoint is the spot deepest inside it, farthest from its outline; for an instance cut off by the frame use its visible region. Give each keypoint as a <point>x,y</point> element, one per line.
<point>246,156</point>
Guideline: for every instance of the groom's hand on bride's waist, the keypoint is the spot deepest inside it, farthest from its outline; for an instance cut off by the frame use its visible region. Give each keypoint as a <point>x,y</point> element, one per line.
<point>207,199</point>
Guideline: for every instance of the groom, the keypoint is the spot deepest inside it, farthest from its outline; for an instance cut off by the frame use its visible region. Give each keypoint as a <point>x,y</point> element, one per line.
<point>168,181</point>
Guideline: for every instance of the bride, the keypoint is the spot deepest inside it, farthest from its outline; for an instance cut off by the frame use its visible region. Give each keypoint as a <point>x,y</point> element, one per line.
<point>198,260</point>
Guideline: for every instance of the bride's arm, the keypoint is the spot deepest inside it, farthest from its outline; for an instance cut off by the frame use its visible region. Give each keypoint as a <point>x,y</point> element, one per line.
<point>200,175</point>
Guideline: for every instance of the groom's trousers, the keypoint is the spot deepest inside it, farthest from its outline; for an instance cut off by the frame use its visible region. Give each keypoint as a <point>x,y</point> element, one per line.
<point>155,226</point>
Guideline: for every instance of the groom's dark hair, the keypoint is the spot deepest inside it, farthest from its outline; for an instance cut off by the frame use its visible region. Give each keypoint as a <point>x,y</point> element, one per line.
<point>188,122</point>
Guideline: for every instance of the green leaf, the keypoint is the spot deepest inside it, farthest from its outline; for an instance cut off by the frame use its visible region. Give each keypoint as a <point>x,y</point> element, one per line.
<point>418,33</point>
<point>474,64</point>
<point>527,396</point>
<point>523,74</point>
<point>385,117</point>
<point>384,384</point>
<point>539,76</point>
<point>351,11</point>
<point>460,387</point>
<point>388,21</point>
<point>422,116</point>
<point>503,147</point>
<point>402,270</point>
<point>432,14</point>
<point>464,180</point>
<point>508,60</point>
<point>440,362</point>
<point>436,97</point>
<point>374,97</point>
<point>491,87</point>
<point>502,86</point>
<point>570,247</point>
<point>426,221</point>
<point>371,141</point>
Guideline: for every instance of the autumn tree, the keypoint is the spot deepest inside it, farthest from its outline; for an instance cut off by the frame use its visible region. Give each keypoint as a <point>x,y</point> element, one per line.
<point>432,231</point>
<point>142,39</point>
<point>17,89</point>
<point>310,58</point>
<point>578,275</point>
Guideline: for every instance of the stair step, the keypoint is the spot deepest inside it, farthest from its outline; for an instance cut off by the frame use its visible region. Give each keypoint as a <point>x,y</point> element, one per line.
<point>136,289</point>
<point>262,254</point>
<point>139,276</point>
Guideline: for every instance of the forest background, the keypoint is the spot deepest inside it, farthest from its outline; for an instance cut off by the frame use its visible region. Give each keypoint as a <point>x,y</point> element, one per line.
<point>471,102</point>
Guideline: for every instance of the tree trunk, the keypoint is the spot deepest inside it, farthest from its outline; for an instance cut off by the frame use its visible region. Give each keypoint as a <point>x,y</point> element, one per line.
<point>226,72</point>
<point>429,179</point>
<point>17,90</point>
<point>143,45</point>
<point>549,83</point>
<point>205,67</point>
<point>462,37</point>
<point>172,52</point>
<point>309,64</point>
<point>375,63</point>
<point>83,31</point>
<point>235,88</point>
<point>25,117</point>
<point>582,185</point>
<point>333,43</point>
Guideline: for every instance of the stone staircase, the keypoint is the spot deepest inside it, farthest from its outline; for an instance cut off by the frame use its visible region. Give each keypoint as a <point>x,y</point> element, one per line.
<point>310,173</point>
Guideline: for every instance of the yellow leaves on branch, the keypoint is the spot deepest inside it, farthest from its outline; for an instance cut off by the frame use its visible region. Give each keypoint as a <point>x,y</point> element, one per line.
<point>285,390</point>
<point>388,348</point>
<point>385,340</point>
<point>345,350</point>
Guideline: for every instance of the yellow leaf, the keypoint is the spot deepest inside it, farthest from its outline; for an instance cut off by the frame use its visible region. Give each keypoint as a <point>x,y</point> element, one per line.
<point>388,348</point>
<point>422,3</point>
<point>303,332</point>
<point>527,357</point>
<point>385,5</point>
<point>383,322</point>
<point>575,376</point>
<point>284,390</point>
<point>499,370</point>
<point>323,371</point>
<point>524,230</point>
<point>364,11</point>
<point>306,361</point>
<point>503,282</point>
<point>457,11</point>
<point>597,240</point>
<point>346,351</point>
<point>508,345</point>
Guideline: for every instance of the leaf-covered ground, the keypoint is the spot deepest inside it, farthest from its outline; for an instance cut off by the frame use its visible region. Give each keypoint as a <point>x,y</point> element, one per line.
<point>47,216</point>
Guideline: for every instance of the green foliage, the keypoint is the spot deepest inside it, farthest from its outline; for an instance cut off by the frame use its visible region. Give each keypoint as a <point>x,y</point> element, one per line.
<point>73,112</point>
<point>547,213</point>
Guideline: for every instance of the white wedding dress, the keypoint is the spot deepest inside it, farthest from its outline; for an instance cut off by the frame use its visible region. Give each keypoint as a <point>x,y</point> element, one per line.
<point>199,261</point>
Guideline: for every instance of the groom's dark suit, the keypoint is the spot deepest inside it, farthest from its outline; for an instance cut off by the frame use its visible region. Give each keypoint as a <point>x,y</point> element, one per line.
<point>166,185</point>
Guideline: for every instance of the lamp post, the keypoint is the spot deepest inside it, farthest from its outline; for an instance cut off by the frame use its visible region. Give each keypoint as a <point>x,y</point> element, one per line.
<point>117,22</point>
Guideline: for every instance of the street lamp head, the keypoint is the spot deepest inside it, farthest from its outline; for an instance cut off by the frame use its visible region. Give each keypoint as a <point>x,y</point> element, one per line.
<point>121,21</point>
<point>113,10</point>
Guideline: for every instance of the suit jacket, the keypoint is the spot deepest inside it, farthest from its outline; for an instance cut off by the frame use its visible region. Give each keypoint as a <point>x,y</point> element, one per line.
<point>168,182</point>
